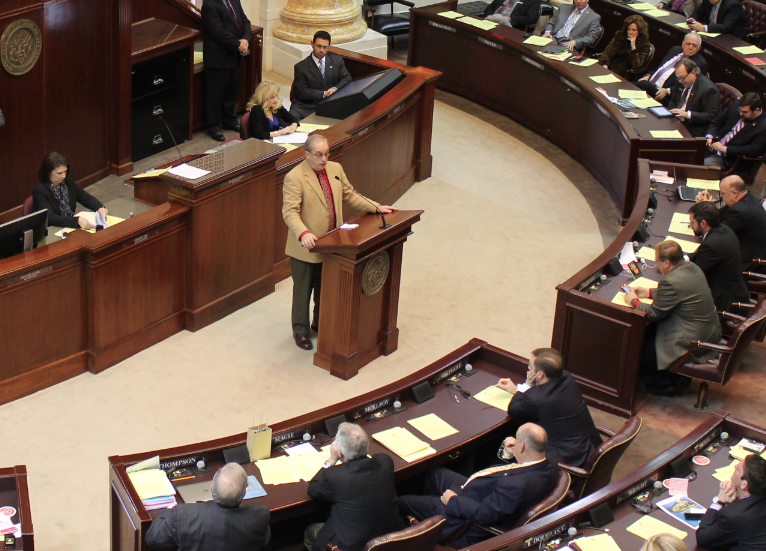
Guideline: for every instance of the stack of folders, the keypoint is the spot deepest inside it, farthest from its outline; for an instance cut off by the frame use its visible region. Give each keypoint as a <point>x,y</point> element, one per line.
<point>152,484</point>
<point>404,444</point>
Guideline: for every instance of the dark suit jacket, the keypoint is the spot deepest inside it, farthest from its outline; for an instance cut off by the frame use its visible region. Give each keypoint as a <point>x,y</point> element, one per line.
<point>731,18</point>
<point>748,220</point>
<point>208,527</point>
<point>526,13</point>
<point>259,122</point>
<point>718,258</point>
<point>750,141</point>
<point>363,498</point>
<point>309,84</point>
<point>684,311</point>
<point>704,104</point>
<point>498,499</point>
<point>221,45</point>
<point>672,81</point>
<point>739,526</point>
<point>559,408</point>
<point>42,198</point>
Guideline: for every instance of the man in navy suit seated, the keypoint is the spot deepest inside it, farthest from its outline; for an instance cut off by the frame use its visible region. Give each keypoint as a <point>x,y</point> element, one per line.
<point>497,496</point>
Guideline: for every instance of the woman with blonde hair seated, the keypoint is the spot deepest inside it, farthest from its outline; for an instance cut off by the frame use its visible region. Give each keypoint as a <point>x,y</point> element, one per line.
<point>267,116</point>
<point>664,542</point>
<point>629,48</point>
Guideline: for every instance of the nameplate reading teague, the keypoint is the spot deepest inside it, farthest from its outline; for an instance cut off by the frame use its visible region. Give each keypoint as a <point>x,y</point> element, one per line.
<point>375,273</point>
<point>20,46</point>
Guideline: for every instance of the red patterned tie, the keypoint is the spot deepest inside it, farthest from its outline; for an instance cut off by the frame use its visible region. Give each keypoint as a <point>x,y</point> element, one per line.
<point>325,185</point>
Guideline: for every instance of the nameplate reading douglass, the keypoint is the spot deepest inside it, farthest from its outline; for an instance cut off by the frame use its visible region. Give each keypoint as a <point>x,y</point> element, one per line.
<point>442,27</point>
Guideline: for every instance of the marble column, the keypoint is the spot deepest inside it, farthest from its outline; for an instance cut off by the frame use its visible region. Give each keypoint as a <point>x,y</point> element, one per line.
<point>302,18</point>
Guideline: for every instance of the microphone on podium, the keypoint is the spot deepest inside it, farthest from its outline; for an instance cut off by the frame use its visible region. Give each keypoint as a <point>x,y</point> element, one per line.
<point>383,218</point>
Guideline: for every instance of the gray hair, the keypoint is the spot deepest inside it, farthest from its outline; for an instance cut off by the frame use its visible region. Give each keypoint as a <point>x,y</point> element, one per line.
<point>308,145</point>
<point>352,441</point>
<point>696,36</point>
<point>229,485</point>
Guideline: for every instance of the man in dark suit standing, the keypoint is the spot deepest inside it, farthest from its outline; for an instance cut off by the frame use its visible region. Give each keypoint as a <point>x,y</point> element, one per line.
<point>739,130</point>
<point>662,81</point>
<point>551,398</point>
<point>497,496</point>
<point>718,256</point>
<point>218,525</point>
<point>361,490</point>
<point>720,16</point>
<point>514,13</point>
<point>318,76</point>
<point>695,100</point>
<point>745,215</point>
<point>735,519</point>
<point>227,38</point>
<point>683,311</point>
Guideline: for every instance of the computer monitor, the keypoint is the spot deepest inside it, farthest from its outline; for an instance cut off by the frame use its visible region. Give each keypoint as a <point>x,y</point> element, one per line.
<point>23,234</point>
<point>358,94</point>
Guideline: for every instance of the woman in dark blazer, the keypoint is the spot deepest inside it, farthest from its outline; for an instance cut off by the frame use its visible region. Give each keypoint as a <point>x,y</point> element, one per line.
<point>59,194</point>
<point>267,116</point>
<point>629,48</point>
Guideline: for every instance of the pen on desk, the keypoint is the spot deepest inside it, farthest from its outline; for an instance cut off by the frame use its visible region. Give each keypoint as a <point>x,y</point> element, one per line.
<point>454,395</point>
<point>184,478</point>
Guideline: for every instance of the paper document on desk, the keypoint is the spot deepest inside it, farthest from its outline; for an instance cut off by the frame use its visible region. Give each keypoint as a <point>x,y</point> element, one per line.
<point>348,226</point>
<point>646,253</point>
<point>433,426</point>
<point>645,103</point>
<point>152,173</point>
<point>627,255</point>
<point>724,473</point>
<point>631,94</point>
<point>738,452</point>
<point>151,463</point>
<point>666,134</point>
<point>277,470</point>
<point>748,50</point>
<point>150,483</point>
<point>648,526</point>
<point>585,62</point>
<point>601,542</point>
<point>619,298</point>
<point>537,41</point>
<point>688,247</point>
<point>295,137</point>
<point>189,172</point>
<point>680,218</point>
<point>676,506</point>
<point>680,227</point>
<point>306,447</point>
<point>449,15</point>
<point>704,184</point>
<point>495,397</point>
<point>91,217</point>
<point>643,6</point>
<point>605,79</point>
<point>563,56</point>
<point>308,127</point>
<point>254,488</point>
<point>657,13</point>
<point>404,444</point>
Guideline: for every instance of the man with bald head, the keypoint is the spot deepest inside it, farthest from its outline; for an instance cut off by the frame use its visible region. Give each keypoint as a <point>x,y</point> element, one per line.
<point>218,525</point>
<point>497,496</point>
<point>662,81</point>
<point>743,213</point>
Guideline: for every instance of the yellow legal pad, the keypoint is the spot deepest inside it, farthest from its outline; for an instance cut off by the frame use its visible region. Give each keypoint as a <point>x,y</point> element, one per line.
<point>657,13</point>
<point>680,227</point>
<point>605,79</point>
<point>449,15</point>
<point>433,426</point>
<point>111,220</point>
<point>665,134</point>
<point>495,397</point>
<point>704,184</point>
<point>680,218</point>
<point>688,247</point>
<point>563,56</point>
<point>538,41</point>
<point>150,483</point>
<point>738,452</point>
<point>152,173</point>
<point>748,50</point>
<point>645,103</point>
<point>619,298</point>
<point>307,127</point>
<point>601,542</point>
<point>278,470</point>
<point>648,526</point>
<point>631,94</point>
<point>404,444</point>
<point>724,473</point>
<point>585,62</point>
<point>643,6</point>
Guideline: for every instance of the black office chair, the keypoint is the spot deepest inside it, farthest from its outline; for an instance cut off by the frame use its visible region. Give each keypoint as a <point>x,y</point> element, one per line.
<point>390,24</point>
<point>593,46</point>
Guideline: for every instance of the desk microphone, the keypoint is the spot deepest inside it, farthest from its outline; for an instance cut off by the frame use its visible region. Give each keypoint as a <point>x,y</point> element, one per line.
<point>383,218</point>
<point>171,136</point>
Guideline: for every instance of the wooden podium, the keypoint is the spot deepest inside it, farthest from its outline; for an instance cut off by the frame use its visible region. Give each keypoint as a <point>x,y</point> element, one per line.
<point>360,291</point>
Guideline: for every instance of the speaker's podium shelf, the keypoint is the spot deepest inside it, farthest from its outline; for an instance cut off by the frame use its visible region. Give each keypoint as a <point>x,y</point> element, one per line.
<point>360,291</point>
<point>162,63</point>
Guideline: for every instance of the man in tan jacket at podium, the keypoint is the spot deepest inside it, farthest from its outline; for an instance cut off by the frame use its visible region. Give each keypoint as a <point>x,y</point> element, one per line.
<point>313,196</point>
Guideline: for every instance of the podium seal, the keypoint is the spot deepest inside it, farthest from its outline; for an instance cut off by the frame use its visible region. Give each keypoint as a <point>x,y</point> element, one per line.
<point>375,273</point>
<point>20,46</point>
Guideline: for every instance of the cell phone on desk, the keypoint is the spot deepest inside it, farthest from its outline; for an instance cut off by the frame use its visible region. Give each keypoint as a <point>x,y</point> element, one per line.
<point>625,289</point>
<point>693,516</point>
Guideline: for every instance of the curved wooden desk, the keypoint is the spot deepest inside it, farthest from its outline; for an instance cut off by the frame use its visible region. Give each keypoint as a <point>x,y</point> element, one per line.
<point>477,422</point>
<point>557,100</point>
<point>725,65</point>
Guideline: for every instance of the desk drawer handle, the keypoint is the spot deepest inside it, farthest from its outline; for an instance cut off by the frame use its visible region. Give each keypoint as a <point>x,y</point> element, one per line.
<point>158,80</point>
<point>157,139</point>
<point>158,110</point>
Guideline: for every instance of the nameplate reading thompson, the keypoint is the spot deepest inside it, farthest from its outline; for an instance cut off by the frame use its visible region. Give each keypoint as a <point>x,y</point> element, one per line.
<point>180,462</point>
<point>375,273</point>
<point>20,46</point>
